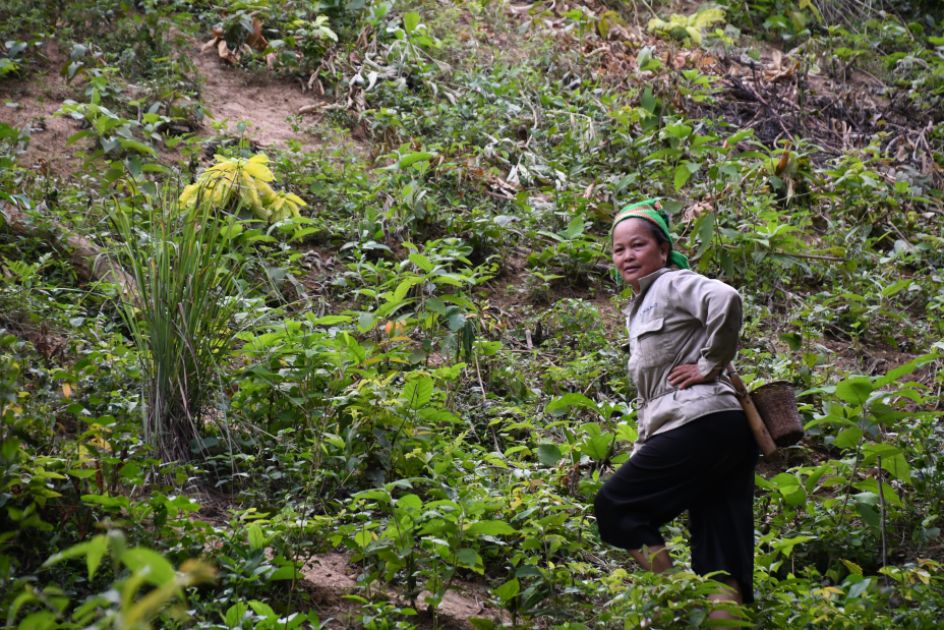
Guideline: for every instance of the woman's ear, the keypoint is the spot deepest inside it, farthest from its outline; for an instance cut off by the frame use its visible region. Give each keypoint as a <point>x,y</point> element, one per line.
<point>666,248</point>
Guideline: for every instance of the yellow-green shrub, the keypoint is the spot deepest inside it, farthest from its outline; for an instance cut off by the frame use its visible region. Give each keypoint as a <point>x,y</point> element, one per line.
<point>232,183</point>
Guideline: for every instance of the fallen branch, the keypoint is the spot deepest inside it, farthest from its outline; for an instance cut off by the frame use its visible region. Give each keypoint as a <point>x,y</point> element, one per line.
<point>89,261</point>
<point>811,256</point>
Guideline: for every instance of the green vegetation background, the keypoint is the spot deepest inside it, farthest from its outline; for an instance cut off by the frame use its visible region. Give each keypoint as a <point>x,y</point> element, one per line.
<point>399,338</point>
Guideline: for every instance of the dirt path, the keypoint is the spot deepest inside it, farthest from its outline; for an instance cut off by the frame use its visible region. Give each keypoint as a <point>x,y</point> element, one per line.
<point>267,106</point>
<point>263,108</point>
<point>30,105</point>
<point>329,577</point>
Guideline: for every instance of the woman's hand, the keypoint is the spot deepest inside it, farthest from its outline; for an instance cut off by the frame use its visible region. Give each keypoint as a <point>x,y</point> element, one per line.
<point>687,374</point>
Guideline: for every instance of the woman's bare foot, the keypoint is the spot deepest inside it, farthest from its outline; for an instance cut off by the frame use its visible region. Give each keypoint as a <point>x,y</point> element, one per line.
<point>729,591</point>
<point>655,558</point>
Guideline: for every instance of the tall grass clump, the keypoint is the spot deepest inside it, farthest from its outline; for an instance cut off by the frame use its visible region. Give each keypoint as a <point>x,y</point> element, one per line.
<point>181,312</point>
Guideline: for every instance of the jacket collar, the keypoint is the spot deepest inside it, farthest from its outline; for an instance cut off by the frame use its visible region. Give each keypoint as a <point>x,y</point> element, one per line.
<point>644,283</point>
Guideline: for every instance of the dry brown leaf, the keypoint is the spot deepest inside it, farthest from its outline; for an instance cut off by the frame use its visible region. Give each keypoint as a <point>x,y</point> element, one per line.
<point>226,54</point>
<point>703,61</point>
<point>314,83</point>
<point>903,151</point>
<point>679,60</point>
<point>696,210</point>
<point>210,45</point>
<point>256,39</point>
<point>784,161</point>
<point>785,74</point>
<point>618,31</point>
<point>520,9</point>
<point>780,68</point>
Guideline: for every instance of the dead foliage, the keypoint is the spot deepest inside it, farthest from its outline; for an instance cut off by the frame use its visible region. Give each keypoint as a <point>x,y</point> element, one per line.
<point>255,41</point>
<point>52,345</point>
<point>779,101</point>
<point>777,95</point>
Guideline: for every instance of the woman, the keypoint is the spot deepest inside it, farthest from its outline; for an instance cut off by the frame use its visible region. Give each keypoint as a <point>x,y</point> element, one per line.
<point>695,450</point>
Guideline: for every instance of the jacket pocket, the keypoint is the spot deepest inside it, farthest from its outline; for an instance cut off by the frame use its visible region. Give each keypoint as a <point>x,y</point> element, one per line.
<point>647,345</point>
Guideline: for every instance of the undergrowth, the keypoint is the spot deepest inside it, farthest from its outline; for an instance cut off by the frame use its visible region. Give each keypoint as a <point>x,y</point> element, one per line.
<point>422,364</point>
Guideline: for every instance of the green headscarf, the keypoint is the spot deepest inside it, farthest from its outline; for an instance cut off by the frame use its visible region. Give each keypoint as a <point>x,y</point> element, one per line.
<point>646,210</point>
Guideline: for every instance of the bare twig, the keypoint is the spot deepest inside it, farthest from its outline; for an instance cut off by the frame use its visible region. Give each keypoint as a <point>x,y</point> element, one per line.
<point>812,256</point>
<point>881,501</point>
<point>478,373</point>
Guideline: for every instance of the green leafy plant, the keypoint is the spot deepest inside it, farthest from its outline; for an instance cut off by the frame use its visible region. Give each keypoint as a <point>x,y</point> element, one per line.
<point>287,34</point>
<point>571,255</point>
<point>429,543</point>
<point>686,27</point>
<point>789,20</point>
<point>114,134</point>
<point>11,57</point>
<point>145,583</point>
<point>258,615</point>
<point>431,377</point>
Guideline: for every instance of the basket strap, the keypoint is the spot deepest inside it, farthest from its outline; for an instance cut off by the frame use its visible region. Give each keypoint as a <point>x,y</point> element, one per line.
<point>764,441</point>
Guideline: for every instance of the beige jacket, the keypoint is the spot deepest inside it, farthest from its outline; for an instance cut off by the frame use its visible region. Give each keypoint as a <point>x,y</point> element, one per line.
<point>680,317</point>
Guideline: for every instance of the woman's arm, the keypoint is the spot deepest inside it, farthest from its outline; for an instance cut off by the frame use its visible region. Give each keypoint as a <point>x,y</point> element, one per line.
<point>717,307</point>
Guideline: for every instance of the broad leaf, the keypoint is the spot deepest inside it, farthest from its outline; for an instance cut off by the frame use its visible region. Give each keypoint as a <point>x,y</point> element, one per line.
<point>559,406</point>
<point>235,614</point>
<point>409,503</point>
<point>418,391</point>
<point>549,454</point>
<point>470,559</point>
<point>491,528</point>
<point>256,537</point>
<point>96,550</point>
<point>155,569</point>
<point>411,20</point>
<point>507,591</point>
<point>410,159</point>
<point>855,390</point>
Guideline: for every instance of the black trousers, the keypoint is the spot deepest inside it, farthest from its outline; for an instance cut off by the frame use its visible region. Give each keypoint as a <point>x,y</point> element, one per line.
<point>705,467</point>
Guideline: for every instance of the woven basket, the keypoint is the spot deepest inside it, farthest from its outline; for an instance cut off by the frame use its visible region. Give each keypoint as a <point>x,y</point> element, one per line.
<point>776,403</point>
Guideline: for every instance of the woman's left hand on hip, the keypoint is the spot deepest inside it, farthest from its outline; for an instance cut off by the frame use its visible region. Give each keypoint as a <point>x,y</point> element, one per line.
<point>687,374</point>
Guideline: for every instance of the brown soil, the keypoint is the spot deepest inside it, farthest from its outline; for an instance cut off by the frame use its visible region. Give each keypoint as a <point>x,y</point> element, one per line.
<point>267,106</point>
<point>273,110</point>
<point>30,104</point>
<point>329,577</point>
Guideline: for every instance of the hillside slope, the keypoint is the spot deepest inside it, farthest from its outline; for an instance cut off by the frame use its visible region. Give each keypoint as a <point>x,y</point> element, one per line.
<point>374,373</point>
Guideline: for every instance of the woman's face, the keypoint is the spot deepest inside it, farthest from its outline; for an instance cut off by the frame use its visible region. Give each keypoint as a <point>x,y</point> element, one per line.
<point>636,252</point>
